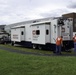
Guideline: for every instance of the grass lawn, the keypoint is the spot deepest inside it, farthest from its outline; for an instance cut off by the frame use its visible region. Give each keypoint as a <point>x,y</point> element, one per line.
<point>19,64</point>
<point>33,50</point>
<point>28,49</point>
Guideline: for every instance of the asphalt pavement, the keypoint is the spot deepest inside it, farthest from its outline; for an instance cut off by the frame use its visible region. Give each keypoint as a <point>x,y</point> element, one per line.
<point>32,53</point>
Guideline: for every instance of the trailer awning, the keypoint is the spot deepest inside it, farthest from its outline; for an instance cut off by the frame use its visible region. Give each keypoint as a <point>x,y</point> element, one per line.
<point>18,27</point>
<point>47,23</point>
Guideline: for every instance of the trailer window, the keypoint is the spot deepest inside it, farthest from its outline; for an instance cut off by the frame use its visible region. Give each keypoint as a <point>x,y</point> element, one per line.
<point>47,32</point>
<point>22,33</point>
<point>54,28</point>
<point>37,32</point>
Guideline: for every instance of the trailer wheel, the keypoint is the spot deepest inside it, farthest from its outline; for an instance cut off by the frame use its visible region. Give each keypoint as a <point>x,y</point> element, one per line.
<point>4,43</point>
<point>34,46</point>
<point>12,43</point>
<point>40,47</point>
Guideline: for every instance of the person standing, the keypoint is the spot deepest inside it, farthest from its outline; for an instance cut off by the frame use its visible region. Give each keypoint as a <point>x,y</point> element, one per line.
<point>58,45</point>
<point>74,39</point>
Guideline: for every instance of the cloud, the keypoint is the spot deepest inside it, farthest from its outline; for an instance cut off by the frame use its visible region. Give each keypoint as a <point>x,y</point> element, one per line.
<point>72,4</point>
<point>55,13</point>
<point>12,11</point>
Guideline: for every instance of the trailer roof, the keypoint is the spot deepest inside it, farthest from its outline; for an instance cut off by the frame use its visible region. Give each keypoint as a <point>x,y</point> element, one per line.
<point>20,26</point>
<point>44,22</point>
<point>32,21</point>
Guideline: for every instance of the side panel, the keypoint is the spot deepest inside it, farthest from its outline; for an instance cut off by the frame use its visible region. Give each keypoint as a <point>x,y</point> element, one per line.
<point>67,32</point>
<point>71,29</point>
<point>54,33</point>
<point>28,33</point>
<point>38,34</point>
<point>15,34</point>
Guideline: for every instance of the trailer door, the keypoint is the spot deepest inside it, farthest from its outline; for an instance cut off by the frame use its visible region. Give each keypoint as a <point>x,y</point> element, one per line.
<point>22,34</point>
<point>66,32</point>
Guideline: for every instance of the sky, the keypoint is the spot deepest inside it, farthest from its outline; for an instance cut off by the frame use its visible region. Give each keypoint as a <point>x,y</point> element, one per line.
<point>13,11</point>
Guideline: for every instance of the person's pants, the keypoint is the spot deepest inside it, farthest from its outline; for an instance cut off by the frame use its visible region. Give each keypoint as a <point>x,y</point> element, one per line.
<point>58,49</point>
<point>74,46</point>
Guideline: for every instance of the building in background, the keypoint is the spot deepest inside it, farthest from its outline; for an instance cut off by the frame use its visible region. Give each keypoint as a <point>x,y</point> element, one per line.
<point>72,15</point>
<point>2,28</point>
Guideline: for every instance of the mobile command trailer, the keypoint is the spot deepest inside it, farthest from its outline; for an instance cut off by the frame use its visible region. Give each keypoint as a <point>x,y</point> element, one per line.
<point>21,35</point>
<point>43,34</point>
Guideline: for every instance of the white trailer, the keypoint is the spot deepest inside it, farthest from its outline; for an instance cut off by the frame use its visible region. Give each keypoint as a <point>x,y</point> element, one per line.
<point>21,34</point>
<point>17,33</point>
<point>44,33</point>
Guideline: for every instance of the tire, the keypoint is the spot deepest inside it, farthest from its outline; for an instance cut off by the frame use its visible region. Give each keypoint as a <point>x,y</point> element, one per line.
<point>4,43</point>
<point>12,43</point>
<point>40,47</point>
<point>34,46</point>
